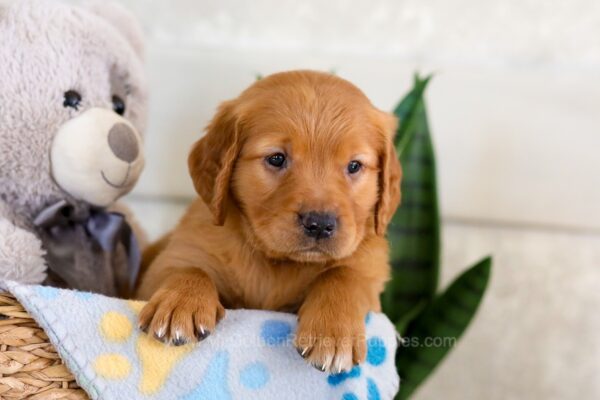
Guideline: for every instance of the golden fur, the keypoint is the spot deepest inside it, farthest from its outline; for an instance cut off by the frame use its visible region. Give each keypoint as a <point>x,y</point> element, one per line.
<point>241,245</point>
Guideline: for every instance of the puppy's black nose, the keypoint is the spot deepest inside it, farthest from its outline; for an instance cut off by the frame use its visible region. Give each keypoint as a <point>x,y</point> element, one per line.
<point>123,142</point>
<point>318,225</point>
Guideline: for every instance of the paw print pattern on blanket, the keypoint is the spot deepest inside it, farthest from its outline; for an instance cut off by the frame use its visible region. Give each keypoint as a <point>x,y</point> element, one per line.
<point>157,360</point>
<point>112,366</point>
<point>376,355</point>
<point>250,355</point>
<point>253,376</point>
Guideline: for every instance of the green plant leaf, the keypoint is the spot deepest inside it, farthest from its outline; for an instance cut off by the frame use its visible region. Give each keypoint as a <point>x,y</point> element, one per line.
<point>407,111</point>
<point>443,321</point>
<point>413,233</point>
<point>406,319</point>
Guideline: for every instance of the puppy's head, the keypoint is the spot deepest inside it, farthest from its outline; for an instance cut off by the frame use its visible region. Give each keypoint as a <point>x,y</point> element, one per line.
<point>307,161</point>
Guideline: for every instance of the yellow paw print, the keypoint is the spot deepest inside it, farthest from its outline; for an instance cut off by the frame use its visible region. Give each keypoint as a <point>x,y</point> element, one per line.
<point>157,359</point>
<point>112,366</point>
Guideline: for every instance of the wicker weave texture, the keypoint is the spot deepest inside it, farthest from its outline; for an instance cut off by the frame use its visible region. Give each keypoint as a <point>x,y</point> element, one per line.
<point>30,368</point>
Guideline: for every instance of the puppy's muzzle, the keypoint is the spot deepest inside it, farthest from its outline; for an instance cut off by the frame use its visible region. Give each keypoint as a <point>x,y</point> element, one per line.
<point>318,225</point>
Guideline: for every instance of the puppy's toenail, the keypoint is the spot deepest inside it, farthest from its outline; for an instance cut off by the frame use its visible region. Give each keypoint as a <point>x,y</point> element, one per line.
<point>319,367</point>
<point>302,352</point>
<point>179,341</point>
<point>202,333</point>
<point>160,335</point>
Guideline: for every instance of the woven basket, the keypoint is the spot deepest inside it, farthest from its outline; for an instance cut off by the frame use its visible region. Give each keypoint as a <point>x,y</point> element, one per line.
<point>30,368</point>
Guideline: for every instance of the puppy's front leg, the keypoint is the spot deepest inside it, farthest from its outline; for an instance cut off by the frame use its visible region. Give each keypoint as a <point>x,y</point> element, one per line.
<point>331,326</point>
<point>185,307</point>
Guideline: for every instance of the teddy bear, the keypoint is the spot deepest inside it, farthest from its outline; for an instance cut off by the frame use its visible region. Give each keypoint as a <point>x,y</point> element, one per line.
<point>73,105</point>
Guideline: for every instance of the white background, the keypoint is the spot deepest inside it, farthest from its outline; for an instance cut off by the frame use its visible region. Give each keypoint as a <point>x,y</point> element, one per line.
<point>515,114</point>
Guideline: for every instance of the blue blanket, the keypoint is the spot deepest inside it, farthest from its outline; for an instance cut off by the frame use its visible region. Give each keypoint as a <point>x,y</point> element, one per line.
<point>249,356</point>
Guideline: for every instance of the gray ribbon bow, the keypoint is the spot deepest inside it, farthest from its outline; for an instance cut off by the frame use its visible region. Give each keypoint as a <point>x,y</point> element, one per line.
<point>107,229</point>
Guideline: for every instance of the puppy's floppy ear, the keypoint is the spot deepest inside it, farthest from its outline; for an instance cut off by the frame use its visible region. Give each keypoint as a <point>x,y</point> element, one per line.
<point>390,174</point>
<point>212,159</point>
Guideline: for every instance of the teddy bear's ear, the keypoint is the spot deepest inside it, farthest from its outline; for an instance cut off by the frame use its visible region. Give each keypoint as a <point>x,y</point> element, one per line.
<point>121,19</point>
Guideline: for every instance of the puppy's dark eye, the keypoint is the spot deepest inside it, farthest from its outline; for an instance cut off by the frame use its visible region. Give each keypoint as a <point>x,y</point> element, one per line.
<point>72,99</point>
<point>118,105</point>
<point>354,166</point>
<point>276,160</point>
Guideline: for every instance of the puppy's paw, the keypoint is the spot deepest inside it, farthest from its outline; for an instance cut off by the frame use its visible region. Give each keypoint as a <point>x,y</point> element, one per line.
<point>178,317</point>
<point>332,345</point>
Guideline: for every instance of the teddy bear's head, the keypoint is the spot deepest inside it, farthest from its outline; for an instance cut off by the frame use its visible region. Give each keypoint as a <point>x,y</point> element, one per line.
<point>72,103</point>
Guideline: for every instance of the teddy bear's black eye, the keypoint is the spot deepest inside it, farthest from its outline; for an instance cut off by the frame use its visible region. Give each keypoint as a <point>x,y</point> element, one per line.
<point>72,99</point>
<point>354,166</point>
<point>118,105</point>
<point>276,160</point>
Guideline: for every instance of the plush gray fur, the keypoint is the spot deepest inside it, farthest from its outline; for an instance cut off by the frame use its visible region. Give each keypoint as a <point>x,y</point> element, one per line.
<point>46,49</point>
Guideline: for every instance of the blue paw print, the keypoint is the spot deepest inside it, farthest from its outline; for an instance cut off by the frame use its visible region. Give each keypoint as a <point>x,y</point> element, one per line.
<point>254,376</point>
<point>372,390</point>
<point>376,356</point>
<point>336,379</point>
<point>47,292</point>
<point>83,295</point>
<point>214,383</point>
<point>275,332</point>
<point>376,351</point>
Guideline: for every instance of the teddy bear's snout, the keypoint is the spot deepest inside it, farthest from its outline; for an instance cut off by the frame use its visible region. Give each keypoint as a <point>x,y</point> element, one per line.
<point>123,142</point>
<point>97,156</point>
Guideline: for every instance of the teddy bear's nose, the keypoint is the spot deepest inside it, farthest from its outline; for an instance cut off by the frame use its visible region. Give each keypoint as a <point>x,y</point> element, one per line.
<point>123,142</point>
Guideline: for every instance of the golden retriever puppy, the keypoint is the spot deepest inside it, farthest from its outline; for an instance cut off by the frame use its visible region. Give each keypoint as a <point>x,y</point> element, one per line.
<point>298,179</point>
